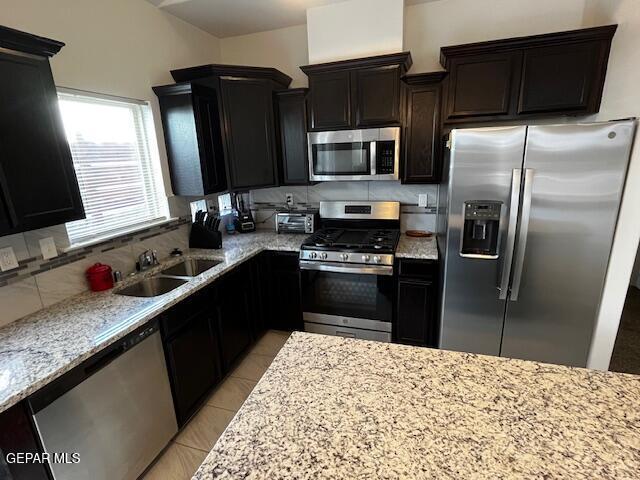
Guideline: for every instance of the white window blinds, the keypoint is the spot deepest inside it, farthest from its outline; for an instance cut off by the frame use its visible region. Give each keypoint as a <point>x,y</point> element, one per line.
<point>116,164</point>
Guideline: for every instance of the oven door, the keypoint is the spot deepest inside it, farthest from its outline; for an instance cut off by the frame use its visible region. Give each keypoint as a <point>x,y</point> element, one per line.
<point>347,300</point>
<point>342,155</point>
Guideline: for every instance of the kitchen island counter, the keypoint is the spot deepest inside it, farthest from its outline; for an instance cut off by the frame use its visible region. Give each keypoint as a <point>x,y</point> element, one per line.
<point>334,408</point>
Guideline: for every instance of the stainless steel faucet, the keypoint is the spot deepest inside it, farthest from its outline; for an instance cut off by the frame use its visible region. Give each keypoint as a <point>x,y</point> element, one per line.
<point>147,259</point>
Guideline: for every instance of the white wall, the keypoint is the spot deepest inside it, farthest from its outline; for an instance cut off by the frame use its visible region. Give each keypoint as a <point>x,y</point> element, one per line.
<point>353,29</point>
<point>284,49</point>
<point>431,25</point>
<point>621,99</point>
<point>117,47</point>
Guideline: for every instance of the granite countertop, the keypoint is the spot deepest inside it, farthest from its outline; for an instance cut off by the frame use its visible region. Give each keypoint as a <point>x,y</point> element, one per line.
<point>41,347</point>
<point>335,408</point>
<point>420,248</point>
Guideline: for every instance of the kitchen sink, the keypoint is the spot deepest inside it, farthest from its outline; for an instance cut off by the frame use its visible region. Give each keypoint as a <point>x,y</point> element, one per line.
<point>151,287</point>
<point>191,267</point>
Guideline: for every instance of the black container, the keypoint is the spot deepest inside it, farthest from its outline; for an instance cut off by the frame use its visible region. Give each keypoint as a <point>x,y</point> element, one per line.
<point>204,237</point>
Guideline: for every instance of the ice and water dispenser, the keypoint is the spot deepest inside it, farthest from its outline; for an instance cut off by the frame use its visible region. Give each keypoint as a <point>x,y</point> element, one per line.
<point>481,230</point>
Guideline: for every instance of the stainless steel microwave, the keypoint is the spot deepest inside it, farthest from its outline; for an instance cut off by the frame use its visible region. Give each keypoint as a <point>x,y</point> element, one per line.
<point>371,154</point>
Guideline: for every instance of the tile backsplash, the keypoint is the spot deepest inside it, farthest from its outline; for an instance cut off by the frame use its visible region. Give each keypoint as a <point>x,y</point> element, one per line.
<point>265,202</point>
<point>38,283</point>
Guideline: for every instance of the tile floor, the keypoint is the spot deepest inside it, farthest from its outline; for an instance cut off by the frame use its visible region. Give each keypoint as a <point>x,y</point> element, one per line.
<point>626,353</point>
<point>190,447</point>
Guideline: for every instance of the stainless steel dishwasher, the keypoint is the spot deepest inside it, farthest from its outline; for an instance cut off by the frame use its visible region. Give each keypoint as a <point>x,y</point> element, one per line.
<point>116,411</point>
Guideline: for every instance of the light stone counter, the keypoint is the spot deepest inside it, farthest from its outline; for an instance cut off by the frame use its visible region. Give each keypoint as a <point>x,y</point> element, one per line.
<point>334,408</point>
<point>41,347</point>
<point>419,248</point>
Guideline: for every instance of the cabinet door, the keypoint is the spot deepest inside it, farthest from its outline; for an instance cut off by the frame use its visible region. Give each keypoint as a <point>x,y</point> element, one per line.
<point>415,322</point>
<point>234,329</point>
<point>35,162</point>
<point>210,142</point>
<point>330,100</point>
<point>422,138</point>
<point>482,85</point>
<point>293,138</point>
<point>17,435</point>
<point>192,359</point>
<point>286,311</point>
<point>5,215</point>
<point>377,96</point>
<point>249,132</point>
<point>563,78</point>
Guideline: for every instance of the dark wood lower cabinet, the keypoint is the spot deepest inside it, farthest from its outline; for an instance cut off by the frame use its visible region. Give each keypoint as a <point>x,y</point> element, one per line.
<point>17,435</point>
<point>234,300</point>
<point>417,304</point>
<point>284,292</point>
<point>192,352</point>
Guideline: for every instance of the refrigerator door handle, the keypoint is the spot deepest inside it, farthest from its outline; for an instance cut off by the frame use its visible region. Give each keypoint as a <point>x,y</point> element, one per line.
<point>522,235</point>
<point>516,179</point>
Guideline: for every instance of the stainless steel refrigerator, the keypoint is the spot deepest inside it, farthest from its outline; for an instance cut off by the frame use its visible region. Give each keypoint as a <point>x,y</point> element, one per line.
<point>526,222</point>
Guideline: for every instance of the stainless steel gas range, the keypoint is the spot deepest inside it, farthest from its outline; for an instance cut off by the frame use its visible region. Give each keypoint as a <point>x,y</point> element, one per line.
<point>347,270</point>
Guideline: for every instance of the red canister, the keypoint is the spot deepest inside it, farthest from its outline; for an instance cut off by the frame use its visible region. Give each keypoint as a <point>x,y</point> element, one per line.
<point>100,277</point>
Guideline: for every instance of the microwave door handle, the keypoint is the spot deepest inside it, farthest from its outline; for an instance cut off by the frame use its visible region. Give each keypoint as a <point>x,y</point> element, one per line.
<point>516,179</point>
<point>523,233</point>
<point>372,157</point>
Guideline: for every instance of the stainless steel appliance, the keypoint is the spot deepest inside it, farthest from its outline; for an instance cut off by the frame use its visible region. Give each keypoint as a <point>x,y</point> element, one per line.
<point>526,227</point>
<point>115,411</point>
<point>347,270</point>
<point>296,222</point>
<point>371,154</point>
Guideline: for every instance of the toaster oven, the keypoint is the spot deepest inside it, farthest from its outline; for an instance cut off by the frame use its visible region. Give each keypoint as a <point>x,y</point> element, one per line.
<point>296,222</point>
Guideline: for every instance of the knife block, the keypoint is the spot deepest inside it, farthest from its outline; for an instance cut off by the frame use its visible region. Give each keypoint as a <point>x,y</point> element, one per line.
<point>203,237</point>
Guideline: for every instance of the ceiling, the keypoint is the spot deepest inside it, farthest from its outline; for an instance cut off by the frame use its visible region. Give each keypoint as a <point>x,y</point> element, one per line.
<point>226,18</point>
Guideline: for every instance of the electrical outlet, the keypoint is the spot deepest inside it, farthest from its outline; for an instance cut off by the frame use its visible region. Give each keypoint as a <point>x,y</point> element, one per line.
<point>289,199</point>
<point>8,260</point>
<point>48,248</point>
<point>423,200</point>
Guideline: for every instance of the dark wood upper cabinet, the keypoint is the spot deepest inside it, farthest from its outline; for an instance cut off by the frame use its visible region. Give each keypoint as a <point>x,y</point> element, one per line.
<point>193,138</point>
<point>542,75</point>
<point>330,102</point>
<point>377,96</point>
<point>37,179</point>
<point>222,135</point>
<point>421,159</point>
<point>358,93</point>
<point>563,78</point>
<point>292,126</point>
<point>481,85</point>
<point>250,138</point>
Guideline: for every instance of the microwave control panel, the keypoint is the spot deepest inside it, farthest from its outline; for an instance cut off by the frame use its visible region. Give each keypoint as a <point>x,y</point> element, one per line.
<point>385,157</point>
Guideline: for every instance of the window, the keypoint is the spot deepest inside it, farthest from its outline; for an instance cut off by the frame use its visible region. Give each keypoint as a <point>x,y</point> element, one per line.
<point>116,163</point>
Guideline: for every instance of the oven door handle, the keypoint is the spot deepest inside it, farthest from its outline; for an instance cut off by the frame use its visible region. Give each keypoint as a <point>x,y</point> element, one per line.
<point>346,268</point>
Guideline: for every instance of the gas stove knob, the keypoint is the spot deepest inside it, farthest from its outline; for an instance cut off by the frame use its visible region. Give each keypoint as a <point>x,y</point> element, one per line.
<point>344,256</point>
<point>366,258</point>
<point>323,256</point>
<point>377,259</point>
<point>313,255</point>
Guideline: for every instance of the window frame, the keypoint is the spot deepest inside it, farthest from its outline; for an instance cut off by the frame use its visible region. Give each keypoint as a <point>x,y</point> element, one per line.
<point>149,162</point>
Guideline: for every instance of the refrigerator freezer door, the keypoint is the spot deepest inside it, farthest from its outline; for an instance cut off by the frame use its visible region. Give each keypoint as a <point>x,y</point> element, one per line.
<point>483,165</point>
<point>577,174</point>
